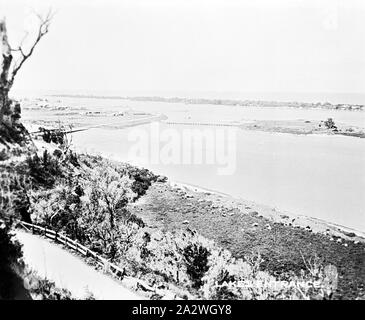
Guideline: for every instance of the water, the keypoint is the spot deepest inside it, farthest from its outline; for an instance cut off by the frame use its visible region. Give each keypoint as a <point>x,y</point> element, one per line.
<point>316,175</point>
<point>206,113</point>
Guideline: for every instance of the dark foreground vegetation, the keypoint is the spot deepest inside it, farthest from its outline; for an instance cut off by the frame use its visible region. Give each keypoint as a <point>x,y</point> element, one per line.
<point>17,281</point>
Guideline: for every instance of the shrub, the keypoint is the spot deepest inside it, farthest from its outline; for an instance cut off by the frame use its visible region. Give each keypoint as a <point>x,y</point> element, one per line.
<point>44,170</point>
<point>44,289</point>
<point>54,136</point>
<point>330,124</point>
<point>196,260</point>
<point>230,278</point>
<point>92,207</point>
<point>157,254</point>
<point>15,134</point>
<point>142,180</point>
<point>4,154</point>
<point>14,186</point>
<point>10,253</point>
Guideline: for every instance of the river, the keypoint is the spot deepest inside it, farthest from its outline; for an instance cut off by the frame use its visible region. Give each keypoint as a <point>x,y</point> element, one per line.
<point>321,176</point>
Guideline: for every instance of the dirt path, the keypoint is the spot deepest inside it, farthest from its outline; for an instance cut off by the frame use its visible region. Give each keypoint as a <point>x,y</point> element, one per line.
<point>69,271</point>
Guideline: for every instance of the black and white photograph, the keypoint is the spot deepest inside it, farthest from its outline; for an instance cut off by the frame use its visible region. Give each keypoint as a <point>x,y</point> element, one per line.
<point>199,152</point>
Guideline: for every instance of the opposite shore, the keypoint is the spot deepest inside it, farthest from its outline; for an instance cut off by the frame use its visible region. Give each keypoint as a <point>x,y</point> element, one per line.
<point>227,102</point>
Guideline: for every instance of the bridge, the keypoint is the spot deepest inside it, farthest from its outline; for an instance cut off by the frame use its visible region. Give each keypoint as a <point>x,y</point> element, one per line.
<point>215,124</point>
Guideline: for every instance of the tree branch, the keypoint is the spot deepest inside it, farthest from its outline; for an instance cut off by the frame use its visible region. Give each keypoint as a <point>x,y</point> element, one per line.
<point>42,30</point>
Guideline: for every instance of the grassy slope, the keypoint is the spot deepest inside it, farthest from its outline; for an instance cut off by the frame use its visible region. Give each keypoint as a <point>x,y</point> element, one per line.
<point>282,246</point>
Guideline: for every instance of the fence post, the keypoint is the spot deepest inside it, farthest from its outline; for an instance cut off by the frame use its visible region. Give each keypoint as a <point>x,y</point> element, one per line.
<point>106,266</point>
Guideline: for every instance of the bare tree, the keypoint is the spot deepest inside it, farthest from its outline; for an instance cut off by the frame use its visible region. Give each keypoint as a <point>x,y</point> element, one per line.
<point>9,67</point>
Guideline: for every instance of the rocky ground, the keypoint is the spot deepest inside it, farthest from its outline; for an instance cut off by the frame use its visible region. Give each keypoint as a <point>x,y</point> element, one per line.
<point>284,241</point>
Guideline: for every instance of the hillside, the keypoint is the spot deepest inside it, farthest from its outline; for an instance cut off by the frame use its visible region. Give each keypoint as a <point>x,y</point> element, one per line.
<point>88,198</point>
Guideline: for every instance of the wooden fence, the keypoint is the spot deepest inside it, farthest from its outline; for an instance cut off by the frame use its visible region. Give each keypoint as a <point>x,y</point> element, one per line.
<point>107,266</point>
<point>68,242</point>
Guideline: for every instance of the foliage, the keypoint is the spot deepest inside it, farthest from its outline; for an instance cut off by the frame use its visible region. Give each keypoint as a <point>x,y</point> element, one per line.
<point>157,254</point>
<point>230,278</point>
<point>44,170</point>
<point>63,139</point>
<point>330,124</point>
<point>44,289</point>
<point>4,155</point>
<point>106,195</point>
<point>15,134</point>
<point>196,260</point>
<point>14,186</point>
<point>89,202</point>
<point>10,253</point>
<point>91,208</point>
<point>54,136</point>
<point>196,263</point>
<point>142,180</point>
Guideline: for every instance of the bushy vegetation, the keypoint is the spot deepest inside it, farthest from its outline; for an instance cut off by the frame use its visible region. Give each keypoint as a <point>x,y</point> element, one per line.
<point>230,278</point>
<point>17,281</point>
<point>196,260</point>
<point>43,170</point>
<point>16,134</point>
<point>42,288</point>
<point>186,260</point>
<point>54,136</point>
<point>87,197</point>
<point>209,272</point>
<point>330,124</point>
<point>10,253</point>
<point>4,155</point>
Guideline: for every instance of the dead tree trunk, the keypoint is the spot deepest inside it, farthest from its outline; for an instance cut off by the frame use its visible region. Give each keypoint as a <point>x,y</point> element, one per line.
<point>9,110</point>
<point>5,59</point>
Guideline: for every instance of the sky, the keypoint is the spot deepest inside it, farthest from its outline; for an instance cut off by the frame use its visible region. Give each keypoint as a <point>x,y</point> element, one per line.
<point>151,46</point>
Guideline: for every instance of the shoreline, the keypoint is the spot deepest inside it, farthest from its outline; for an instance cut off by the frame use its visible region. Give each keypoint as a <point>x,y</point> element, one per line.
<point>283,241</point>
<point>225,102</point>
<point>57,111</point>
<point>296,127</point>
<point>245,228</point>
<point>317,225</point>
<point>267,211</point>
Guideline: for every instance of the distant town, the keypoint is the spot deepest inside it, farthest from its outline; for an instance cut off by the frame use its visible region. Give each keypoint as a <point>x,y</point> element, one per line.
<point>229,102</point>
